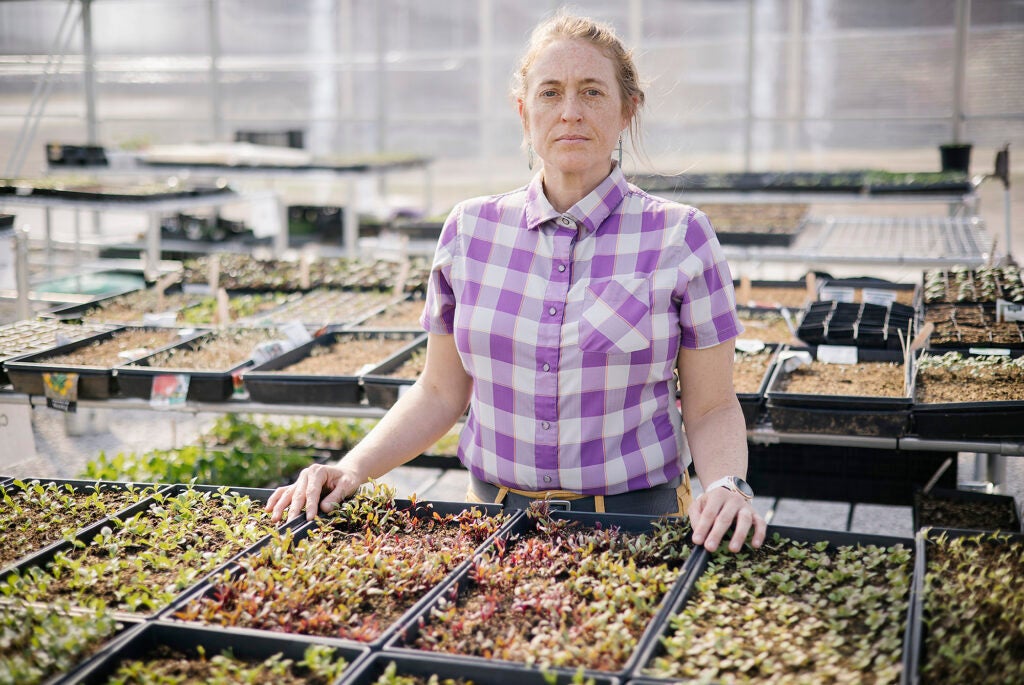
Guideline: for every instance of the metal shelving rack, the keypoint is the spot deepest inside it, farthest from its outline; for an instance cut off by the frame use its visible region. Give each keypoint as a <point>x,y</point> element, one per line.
<point>920,240</point>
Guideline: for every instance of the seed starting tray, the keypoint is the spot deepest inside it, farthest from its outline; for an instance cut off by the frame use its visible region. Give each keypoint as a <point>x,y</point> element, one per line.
<point>424,509</point>
<point>914,654</point>
<point>381,388</point>
<point>857,323</point>
<point>271,382</point>
<point>980,420</point>
<point>654,647</point>
<point>870,415</point>
<point>403,640</point>
<point>147,638</point>
<point>94,382</point>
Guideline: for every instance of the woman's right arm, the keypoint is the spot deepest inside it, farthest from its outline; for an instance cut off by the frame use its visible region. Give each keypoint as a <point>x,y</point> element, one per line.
<point>418,419</point>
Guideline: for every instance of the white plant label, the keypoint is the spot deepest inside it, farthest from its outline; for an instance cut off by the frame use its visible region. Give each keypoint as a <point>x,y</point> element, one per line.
<point>837,354</point>
<point>836,294</point>
<point>878,296</point>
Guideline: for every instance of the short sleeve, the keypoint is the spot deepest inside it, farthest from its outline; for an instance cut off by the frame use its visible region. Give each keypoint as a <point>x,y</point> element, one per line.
<point>707,313</point>
<point>439,311</point>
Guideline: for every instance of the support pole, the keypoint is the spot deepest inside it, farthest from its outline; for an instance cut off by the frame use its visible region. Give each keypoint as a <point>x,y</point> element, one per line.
<point>216,101</point>
<point>963,20</point>
<point>748,122</point>
<point>89,73</point>
<point>24,305</point>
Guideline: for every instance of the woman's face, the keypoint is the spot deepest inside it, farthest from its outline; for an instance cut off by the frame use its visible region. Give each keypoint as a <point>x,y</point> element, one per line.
<point>572,110</point>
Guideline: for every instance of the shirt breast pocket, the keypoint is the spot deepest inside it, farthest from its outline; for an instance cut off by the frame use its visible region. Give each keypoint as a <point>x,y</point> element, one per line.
<point>616,316</point>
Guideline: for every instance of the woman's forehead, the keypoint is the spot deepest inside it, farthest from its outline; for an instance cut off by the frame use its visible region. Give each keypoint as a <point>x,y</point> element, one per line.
<point>571,59</point>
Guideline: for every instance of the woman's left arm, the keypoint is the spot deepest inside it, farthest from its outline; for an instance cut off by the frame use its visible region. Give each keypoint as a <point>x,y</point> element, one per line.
<point>717,436</point>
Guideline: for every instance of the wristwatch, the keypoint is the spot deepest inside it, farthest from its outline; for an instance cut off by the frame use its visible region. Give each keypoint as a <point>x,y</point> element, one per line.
<point>734,483</point>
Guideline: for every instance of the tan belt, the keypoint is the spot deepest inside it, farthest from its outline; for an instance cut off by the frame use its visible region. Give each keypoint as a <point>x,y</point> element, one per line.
<point>684,495</point>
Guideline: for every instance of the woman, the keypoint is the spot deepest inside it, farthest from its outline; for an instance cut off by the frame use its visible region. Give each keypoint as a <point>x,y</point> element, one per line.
<point>560,312</point>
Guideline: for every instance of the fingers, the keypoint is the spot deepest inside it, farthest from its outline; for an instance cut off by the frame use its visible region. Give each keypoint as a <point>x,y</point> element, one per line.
<point>712,514</point>
<point>332,498</point>
<point>304,493</point>
<point>278,502</point>
<point>316,478</point>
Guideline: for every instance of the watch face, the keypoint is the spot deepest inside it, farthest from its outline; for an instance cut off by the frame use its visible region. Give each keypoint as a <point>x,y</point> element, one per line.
<point>743,487</point>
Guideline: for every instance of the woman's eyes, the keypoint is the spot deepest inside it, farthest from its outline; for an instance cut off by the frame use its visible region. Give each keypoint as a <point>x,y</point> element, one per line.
<point>589,92</point>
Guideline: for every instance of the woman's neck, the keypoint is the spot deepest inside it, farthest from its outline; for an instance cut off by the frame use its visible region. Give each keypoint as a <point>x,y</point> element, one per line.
<point>565,190</point>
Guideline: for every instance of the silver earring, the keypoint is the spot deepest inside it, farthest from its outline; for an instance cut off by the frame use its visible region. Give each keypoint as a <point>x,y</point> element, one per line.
<point>620,150</point>
<point>529,156</point>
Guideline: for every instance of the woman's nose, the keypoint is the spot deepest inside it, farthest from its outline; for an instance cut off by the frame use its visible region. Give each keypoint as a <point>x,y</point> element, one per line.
<point>571,110</point>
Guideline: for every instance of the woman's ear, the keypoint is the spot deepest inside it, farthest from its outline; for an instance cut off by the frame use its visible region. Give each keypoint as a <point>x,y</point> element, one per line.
<point>521,108</point>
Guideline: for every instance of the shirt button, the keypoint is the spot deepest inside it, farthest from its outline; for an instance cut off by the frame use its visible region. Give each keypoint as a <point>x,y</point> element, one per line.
<point>545,425</point>
<point>552,311</point>
<point>546,367</point>
<point>561,267</point>
<point>566,221</point>
<point>547,479</point>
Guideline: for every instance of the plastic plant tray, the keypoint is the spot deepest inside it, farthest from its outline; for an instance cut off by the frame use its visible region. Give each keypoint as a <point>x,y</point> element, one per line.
<point>798,290</point>
<point>856,323</point>
<point>914,654</point>
<point>23,338</point>
<point>146,639</point>
<point>403,640</point>
<point>46,556</point>
<point>445,666</point>
<point>94,310</point>
<point>654,647</point>
<point>424,509</point>
<point>271,382</point>
<point>136,379</point>
<point>84,527</point>
<point>1005,502</point>
<point>94,382</point>
<point>382,389</point>
<point>969,420</point>
<point>839,414</point>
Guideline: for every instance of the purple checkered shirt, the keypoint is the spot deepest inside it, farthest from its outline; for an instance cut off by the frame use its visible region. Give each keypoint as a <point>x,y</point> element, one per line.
<point>569,325</point>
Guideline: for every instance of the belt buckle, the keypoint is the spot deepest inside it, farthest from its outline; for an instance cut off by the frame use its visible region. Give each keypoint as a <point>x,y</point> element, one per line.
<point>559,504</point>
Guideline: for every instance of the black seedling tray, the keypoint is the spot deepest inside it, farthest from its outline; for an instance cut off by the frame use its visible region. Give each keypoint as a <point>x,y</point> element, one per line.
<point>381,389</point>
<point>914,653</point>
<point>80,311</point>
<point>145,640</point>
<point>403,639</point>
<point>448,666</point>
<point>839,414</point>
<point>424,509</point>
<point>94,382</point>
<point>767,238</point>
<point>969,420</point>
<point>654,647</point>
<point>136,379</point>
<point>272,384</point>
<point>856,323</point>
<point>1005,502</point>
<point>84,527</point>
<point>43,558</point>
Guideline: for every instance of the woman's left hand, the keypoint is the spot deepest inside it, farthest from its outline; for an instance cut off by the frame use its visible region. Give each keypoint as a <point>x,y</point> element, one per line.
<point>714,512</point>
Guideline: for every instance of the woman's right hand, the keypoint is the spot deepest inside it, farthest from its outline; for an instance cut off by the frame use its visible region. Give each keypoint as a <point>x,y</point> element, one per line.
<point>338,482</point>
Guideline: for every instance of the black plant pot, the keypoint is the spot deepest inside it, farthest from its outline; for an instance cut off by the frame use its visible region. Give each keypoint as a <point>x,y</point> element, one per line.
<point>955,156</point>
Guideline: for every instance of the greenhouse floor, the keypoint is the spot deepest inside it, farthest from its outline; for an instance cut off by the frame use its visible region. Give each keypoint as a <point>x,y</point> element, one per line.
<point>64,443</point>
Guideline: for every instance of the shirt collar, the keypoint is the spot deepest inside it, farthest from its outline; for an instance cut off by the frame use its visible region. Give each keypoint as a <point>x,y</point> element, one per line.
<point>590,212</point>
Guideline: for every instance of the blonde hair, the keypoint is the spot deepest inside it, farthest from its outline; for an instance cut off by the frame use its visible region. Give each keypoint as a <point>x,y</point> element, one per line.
<point>603,37</point>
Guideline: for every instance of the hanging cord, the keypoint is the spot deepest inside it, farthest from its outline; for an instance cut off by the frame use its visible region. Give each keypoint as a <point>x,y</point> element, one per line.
<point>42,91</point>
